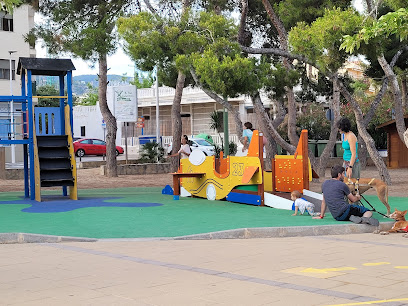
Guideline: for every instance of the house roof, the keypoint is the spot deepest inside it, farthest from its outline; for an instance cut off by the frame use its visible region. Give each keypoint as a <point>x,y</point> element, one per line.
<point>389,122</point>
<point>45,66</point>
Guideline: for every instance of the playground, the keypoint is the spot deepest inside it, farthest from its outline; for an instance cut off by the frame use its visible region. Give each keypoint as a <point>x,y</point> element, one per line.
<point>174,218</point>
<point>205,194</point>
<point>117,218</point>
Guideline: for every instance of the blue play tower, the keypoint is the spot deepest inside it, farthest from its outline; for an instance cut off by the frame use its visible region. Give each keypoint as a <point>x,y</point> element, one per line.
<point>46,132</point>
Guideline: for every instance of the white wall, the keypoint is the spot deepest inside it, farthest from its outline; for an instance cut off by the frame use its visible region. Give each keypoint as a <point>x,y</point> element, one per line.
<point>91,118</point>
<point>23,21</point>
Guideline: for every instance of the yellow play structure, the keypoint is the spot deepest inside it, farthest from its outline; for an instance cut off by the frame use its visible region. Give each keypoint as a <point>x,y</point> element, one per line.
<point>243,179</point>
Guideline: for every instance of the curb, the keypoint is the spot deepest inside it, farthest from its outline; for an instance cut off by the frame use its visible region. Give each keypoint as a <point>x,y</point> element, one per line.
<point>8,238</point>
<point>242,233</point>
<point>291,231</point>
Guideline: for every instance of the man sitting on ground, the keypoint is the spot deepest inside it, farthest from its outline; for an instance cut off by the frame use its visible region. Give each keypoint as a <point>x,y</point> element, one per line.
<point>335,195</point>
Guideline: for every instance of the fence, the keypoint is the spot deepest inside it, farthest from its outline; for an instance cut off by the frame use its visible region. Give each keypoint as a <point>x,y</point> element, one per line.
<point>167,140</point>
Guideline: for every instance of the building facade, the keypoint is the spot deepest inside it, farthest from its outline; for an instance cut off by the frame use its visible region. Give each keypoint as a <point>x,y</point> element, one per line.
<point>13,28</point>
<point>196,108</point>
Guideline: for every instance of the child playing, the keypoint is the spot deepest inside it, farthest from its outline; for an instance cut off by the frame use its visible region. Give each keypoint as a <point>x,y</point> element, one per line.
<point>302,205</point>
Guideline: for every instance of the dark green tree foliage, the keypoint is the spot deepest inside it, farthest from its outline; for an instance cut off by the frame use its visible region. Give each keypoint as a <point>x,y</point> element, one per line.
<point>388,46</point>
<point>278,78</point>
<point>155,41</point>
<point>293,11</point>
<point>91,97</point>
<point>217,6</point>
<point>290,12</point>
<point>48,90</point>
<point>259,27</point>
<point>144,82</point>
<point>9,5</point>
<point>312,88</point>
<point>86,29</point>
<point>321,40</point>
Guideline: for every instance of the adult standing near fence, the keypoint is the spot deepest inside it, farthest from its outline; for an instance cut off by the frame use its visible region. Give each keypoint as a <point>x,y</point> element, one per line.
<point>185,149</point>
<point>350,146</point>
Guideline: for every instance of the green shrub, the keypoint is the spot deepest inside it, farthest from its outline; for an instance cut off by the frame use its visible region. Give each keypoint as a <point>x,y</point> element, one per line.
<point>152,152</point>
<point>233,148</point>
<point>314,121</point>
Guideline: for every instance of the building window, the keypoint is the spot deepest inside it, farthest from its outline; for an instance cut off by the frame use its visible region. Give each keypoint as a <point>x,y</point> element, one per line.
<point>82,131</point>
<point>6,23</point>
<point>5,69</point>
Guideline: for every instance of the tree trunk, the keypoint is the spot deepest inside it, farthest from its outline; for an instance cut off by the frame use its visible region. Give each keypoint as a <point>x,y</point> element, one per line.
<point>271,148</point>
<point>110,120</point>
<point>176,118</point>
<point>370,7</point>
<point>293,138</point>
<point>362,152</point>
<point>150,7</point>
<point>404,91</point>
<point>283,40</point>
<point>324,157</point>
<point>375,156</point>
<point>399,111</point>
<point>242,23</point>
<point>268,127</point>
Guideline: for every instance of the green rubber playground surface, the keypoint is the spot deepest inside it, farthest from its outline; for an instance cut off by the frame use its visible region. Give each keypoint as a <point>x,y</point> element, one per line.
<point>173,218</point>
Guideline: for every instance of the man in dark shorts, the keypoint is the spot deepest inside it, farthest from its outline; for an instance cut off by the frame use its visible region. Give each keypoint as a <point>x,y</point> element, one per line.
<point>335,195</point>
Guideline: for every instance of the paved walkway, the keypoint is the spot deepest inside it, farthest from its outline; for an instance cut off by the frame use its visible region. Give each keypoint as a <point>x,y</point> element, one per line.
<point>356,269</point>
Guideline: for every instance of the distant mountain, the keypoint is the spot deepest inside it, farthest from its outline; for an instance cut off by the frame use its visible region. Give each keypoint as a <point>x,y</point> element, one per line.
<point>79,82</point>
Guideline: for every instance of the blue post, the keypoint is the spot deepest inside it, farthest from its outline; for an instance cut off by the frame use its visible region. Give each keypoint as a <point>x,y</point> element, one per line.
<point>62,116</point>
<point>62,103</point>
<point>31,132</point>
<point>25,151</point>
<point>70,102</point>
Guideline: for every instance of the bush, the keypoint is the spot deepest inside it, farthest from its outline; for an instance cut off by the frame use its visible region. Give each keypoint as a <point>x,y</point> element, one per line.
<point>152,152</point>
<point>382,114</point>
<point>314,121</point>
<point>233,148</point>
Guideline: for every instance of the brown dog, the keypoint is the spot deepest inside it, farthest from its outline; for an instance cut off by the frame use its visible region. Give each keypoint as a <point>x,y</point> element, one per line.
<point>401,225</point>
<point>363,184</point>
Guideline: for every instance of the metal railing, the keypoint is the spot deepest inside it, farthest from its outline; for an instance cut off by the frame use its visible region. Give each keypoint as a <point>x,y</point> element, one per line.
<point>11,130</point>
<point>168,140</point>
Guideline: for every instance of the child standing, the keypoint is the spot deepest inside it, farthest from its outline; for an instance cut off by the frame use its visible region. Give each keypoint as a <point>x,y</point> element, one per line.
<point>302,205</point>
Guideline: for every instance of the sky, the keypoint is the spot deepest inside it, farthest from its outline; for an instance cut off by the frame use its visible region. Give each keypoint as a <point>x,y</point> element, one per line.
<point>119,63</point>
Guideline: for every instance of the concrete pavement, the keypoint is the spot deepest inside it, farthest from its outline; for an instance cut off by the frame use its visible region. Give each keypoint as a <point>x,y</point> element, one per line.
<point>358,269</point>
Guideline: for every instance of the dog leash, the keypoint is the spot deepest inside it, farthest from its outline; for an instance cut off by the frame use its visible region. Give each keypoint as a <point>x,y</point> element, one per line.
<point>356,188</point>
<point>373,209</point>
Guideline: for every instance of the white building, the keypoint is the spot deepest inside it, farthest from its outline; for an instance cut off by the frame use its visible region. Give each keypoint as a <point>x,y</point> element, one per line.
<point>196,107</point>
<point>12,30</point>
<point>13,27</point>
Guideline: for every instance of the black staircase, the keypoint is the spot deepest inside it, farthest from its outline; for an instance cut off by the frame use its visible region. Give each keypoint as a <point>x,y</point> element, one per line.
<point>55,164</point>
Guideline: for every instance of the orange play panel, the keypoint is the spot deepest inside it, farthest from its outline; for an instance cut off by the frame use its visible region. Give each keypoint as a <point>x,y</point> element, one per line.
<point>249,173</point>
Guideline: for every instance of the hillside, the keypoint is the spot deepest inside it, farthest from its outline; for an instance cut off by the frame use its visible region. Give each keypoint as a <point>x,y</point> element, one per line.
<point>79,83</point>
